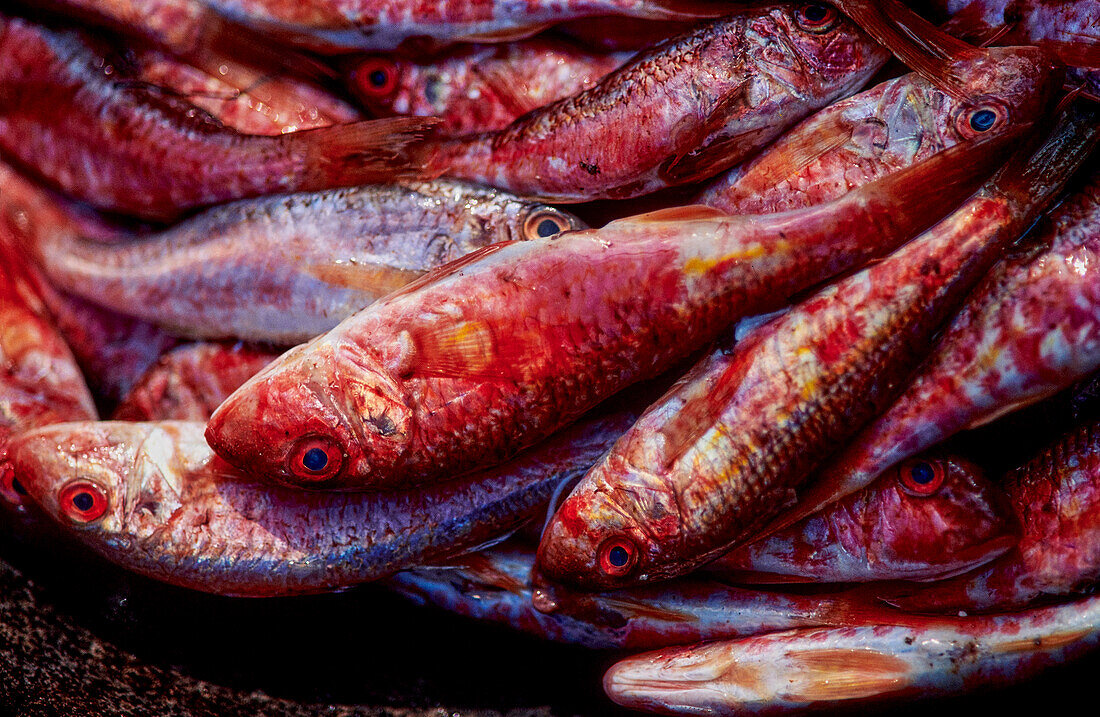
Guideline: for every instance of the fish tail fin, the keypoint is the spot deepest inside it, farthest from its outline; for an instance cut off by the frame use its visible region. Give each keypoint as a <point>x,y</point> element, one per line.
<point>1032,179</point>
<point>922,46</point>
<point>361,152</point>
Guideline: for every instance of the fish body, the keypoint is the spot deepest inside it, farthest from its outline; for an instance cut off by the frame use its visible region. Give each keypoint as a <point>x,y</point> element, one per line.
<point>495,585</point>
<point>479,88</point>
<point>284,268</point>
<point>729,447</point>
<point>1056,498</point>
<point>683,111</point>
<point>929,519</point>
<point>881,130</point>
<point>793,671</point>
<point>190,381</point>
<point>242,98</point>
<point>330,27</point>
<point>489,354</point>
<point>161,504</point>
<point>40,382</point>
<point>1030,329</point>
<point>124,147</point>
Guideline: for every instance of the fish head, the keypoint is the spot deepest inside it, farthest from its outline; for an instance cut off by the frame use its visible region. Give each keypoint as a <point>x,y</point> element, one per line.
<point>108,479</point>
<point>1003,88</point>
<point>324,415</point>
<point>816,50</point>
<point>608,535</point>
<point>939,511</point>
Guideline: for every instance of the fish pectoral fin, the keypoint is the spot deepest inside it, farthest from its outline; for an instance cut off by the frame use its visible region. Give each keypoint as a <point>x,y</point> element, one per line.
<point>839,674</point>
<point>378,279</point>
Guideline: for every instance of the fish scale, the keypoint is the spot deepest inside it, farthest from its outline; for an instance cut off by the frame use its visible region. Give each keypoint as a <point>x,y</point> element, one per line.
<point>761,424</point>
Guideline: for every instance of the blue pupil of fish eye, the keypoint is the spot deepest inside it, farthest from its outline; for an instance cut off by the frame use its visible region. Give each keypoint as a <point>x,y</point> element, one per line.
<point>315,459</point>
<point>83,501</point>
<point>547,228</point>
<point>922,474</point>
<point>377,78</point>
<point>983,120</point>
<point>618,556</point>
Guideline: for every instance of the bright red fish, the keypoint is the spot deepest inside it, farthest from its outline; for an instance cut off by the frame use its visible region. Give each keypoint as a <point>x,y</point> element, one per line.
<point>68,115</point>
<point>729,447</point>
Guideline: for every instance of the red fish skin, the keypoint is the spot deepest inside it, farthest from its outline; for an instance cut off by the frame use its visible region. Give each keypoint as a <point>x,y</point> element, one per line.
<point>337,26</point>
<point>894,529</point>
<point>488,354</point>
<point>880,130</point>
<point>1029,330</point>
<point>123,147</point>
<point>709,464</point>
<point>242,98</point>
<point>176,513</point>
<point>654,123</point>
<point>40,382</point>
<point>478,88</point>
<point>190,381</point>
<point>1056,498</point>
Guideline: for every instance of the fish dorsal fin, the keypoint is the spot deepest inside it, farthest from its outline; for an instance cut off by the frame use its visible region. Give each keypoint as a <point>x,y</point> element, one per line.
<point>449,269</point>
<point>692,212</point>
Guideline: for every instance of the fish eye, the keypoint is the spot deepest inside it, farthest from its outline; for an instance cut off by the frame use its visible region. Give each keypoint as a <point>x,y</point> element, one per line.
<point>82,501</point>
<point>921,477</point>
<point>979,120</point>
<point>545,223</point>
<point>617,557</point>
<point>376,77</point>
<point>816,17</point>
<point>316,458</point>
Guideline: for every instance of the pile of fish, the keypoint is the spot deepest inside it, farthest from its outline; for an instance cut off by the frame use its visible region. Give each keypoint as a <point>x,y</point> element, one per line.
<point>302,257</point>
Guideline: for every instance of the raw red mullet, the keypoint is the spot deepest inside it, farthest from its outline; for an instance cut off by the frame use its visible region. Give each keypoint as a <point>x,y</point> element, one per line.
<point>491,353</point>
<point>683,111</point>
<point>122,146</point>
<point>1056,497</point>
<point>478,88</point>
<point>153,498</point>
<point>725,450</point>
<point>848,667</point>
<point>1029,330</point>
<point>929,519</point>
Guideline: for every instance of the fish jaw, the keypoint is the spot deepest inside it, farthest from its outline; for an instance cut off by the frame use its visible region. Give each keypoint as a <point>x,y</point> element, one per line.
<point>274,423</point>
<point>578,542</point>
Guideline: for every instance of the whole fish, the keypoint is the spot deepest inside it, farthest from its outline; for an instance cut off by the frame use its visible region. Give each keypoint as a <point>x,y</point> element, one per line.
<point>39,379</point>
<point>190,381</point>
<point>683,111</point>
<point>284,268</point>
<point>68,115</point>
<point>929,519</point>
<point>727,449</point>
<point>1068,28</point>
<point>242,98</point>
<point>1056,498</point>
<point>1029,330</point>
<point>495,585</point>
<point>478,88</point>
<point>796,670</point>
<point>154,499</point>
<point>333,26</point>
<point>497,350</point>
<point>893,125</point>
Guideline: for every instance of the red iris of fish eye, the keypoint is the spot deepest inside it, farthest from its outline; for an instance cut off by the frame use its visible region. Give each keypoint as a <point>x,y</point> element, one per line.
<point>617,557</point>
<point>544,224</point>
<point>816,16</point>
<point>377,77</point>
<point>316,459</point>
<point>83,501</point>
<point>922,477</point>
